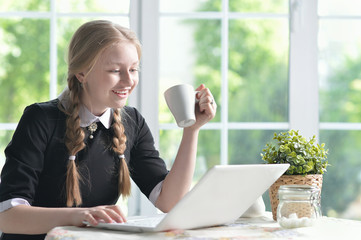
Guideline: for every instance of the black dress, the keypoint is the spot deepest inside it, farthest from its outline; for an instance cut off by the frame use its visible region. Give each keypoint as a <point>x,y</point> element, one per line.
<point>36,160</point>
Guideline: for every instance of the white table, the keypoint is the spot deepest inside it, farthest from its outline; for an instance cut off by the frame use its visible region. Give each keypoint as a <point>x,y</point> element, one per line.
<point>244,228</point>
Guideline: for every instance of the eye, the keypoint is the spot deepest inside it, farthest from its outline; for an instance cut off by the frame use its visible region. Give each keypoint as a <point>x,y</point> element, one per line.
<point>114,71</point>
<point>134,70</point>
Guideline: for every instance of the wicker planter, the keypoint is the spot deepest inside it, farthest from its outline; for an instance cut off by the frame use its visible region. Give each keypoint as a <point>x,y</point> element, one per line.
<point>312,179</point>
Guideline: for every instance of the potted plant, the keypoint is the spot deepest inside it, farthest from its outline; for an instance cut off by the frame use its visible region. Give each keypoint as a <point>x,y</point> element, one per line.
<point>307,159</point>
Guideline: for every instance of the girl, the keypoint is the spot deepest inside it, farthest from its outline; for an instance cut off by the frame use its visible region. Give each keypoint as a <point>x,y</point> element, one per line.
<point>71,158</point>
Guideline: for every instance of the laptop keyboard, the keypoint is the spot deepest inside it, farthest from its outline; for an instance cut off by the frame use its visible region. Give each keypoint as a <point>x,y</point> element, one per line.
<point>136,221</point>
<point>144,222</point>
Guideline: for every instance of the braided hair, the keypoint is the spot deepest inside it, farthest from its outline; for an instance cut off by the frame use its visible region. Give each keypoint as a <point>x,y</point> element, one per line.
<point>85,47</point>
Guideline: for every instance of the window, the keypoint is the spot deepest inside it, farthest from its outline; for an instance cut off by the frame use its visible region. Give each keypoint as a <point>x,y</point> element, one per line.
<point>340,104</point>
<point>271,65</point>
<point>34,35</point>
<point>239,49</point>
<point>235,51</point>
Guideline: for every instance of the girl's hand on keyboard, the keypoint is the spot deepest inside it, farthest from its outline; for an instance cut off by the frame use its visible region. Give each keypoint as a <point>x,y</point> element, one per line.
<point>94,215</point>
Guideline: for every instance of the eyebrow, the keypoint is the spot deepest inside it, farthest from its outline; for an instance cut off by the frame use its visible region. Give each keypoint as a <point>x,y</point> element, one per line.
<point>119,63</point>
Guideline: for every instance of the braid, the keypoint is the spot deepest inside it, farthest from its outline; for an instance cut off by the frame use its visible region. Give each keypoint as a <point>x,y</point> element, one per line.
<point>83,52</point>
<point>74,141</point>
<point>119,146</point>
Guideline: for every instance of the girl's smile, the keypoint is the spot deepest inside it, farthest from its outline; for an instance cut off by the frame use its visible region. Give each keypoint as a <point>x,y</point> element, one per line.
<point>122,93</point>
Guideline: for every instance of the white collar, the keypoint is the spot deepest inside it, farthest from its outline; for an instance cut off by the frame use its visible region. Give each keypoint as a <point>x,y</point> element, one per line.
<point>86,117</point>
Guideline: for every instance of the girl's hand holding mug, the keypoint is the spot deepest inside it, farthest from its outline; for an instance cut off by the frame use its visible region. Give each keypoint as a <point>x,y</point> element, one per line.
<point>190,108</point>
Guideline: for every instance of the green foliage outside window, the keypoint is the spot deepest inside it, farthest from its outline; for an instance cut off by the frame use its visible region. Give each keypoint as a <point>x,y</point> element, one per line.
<point>25,63</point>
<point>25,78</point>
<point>341,102</point>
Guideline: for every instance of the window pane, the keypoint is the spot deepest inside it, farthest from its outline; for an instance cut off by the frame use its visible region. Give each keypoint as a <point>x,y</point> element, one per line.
<point>245,146</point>
<point>25,5</point>
<point>274,6</point>
<point>341,187</point>
<point>5,137</point>
<point>112,6</point>
<point>24,75</point>
<point>208,153</point>
<point>190,5</point>
<point>189,53</point>
<point>168,145</point>
<point>65,30</point>
<point>339,7</point>
<point>339,70</point>
<point>258,70</point>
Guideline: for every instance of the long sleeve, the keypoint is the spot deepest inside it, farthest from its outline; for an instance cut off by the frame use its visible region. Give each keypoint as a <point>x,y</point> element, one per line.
<point>147,169</point>
<point>25,156</point>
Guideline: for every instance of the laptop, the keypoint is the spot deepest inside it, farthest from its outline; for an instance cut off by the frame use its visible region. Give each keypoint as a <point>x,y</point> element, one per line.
<point>220,197</point>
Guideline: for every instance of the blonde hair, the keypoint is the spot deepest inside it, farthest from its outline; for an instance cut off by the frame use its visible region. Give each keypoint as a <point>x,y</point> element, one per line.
<point>85,47</point>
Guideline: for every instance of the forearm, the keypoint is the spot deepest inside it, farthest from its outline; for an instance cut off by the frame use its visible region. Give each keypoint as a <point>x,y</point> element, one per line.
<point>178,181</point>
<point>34,220</point>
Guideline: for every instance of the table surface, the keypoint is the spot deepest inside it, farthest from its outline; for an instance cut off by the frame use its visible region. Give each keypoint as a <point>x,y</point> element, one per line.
<point>244,228</point>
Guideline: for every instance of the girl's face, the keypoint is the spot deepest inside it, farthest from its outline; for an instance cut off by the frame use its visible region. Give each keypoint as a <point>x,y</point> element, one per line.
<point>112,79</point>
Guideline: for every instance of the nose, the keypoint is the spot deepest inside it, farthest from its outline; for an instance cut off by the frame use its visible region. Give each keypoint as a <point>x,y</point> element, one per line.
<point>127,78</point>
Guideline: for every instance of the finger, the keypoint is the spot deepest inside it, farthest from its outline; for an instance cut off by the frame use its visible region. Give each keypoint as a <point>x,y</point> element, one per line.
<point>205,103</point>
<point>113,215</point>
<point>206,100</point>
<point>202,86</point>
<point>91,220</point>
<point>117,214</point>
<point>205,92</point>
<point>208,112</point>
<point>102,215</point>
<point>198,90</point>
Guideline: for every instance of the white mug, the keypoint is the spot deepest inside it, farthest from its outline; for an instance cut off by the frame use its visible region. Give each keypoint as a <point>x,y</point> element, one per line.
<point>181,102</point>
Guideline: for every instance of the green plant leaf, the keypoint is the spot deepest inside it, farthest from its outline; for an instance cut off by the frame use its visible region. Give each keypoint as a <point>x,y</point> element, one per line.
<point>304,157</point>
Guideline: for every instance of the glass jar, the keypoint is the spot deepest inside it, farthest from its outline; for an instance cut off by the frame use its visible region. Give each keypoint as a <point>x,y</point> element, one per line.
<point>299,205</point>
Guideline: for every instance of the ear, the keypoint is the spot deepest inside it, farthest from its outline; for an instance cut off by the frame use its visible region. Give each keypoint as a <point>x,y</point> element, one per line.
<point>81,77</point>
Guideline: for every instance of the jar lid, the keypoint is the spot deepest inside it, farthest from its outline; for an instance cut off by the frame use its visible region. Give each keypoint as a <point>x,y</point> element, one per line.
<point>298,190</point>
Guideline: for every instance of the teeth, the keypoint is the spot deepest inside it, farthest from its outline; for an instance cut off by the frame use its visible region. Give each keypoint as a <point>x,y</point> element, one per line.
<point>121,92</point>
